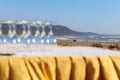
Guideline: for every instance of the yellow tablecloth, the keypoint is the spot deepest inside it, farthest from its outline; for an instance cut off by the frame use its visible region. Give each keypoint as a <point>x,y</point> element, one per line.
<point>60,68</point>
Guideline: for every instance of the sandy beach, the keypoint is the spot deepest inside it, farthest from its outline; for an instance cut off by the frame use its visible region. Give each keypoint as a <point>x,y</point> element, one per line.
<point>62,51</point>
<point>70,51</point>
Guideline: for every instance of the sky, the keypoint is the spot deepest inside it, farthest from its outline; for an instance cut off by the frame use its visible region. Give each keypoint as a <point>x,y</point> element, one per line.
<point>99,16</point>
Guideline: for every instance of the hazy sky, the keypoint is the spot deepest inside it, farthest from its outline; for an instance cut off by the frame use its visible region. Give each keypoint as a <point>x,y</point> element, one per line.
<point>101,16</point>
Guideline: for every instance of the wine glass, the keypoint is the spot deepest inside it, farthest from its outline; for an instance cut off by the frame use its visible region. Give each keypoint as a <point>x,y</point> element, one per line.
<point>50,36</point>
<point>43,35</point>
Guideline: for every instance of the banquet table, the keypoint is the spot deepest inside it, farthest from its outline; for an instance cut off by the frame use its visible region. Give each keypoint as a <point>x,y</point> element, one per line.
<point>60,68</point>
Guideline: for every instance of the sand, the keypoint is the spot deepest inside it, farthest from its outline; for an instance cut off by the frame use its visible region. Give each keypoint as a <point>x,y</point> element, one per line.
<point>66,51</point>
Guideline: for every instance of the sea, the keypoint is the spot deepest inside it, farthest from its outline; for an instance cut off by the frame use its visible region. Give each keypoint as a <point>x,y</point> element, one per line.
<point>87,39</point>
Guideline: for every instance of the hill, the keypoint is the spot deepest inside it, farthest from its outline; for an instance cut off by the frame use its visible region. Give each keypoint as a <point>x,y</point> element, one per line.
<point>60,30</point>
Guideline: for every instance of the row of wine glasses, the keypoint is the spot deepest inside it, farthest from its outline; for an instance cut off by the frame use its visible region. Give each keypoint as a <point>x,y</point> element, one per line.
<point>26,32</point>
